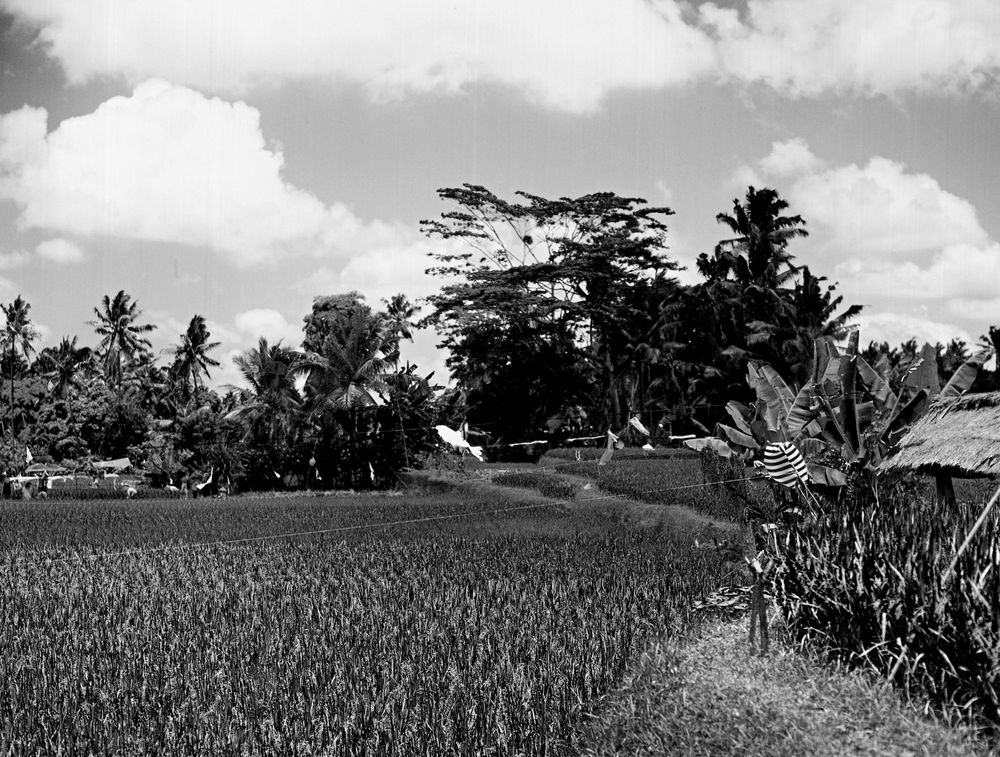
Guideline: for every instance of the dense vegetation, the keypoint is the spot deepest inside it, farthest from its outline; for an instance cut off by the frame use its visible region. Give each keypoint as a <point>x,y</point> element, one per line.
<point>470,633</point>
<point>871,582</point>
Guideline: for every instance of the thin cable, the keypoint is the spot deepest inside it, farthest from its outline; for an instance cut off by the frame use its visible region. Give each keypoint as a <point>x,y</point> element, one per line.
<point>340,529</point>
<point>265,537</point>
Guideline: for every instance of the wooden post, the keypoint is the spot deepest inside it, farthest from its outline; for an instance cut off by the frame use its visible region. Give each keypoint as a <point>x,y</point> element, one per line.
<point>945,490</point>
<point>758,607</point>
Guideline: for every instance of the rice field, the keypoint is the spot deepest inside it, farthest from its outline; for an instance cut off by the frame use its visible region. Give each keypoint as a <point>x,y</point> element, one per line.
<point>463,630</point>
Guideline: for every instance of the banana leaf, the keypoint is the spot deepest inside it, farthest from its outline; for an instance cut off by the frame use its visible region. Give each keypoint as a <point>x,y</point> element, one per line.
<point>830,385</point>
<point>826,476</point>
<point>733,436</point>
<point>717,446</point>
<point>773,392</point>
<point>910,411</point>
<point>966,374</point>
<point>804,409</point>
<point>780,387</point>
<point>823,351</point>
<point>739,413</point>
<point>848,405</point>
<point>811,447</point>
<point>924,375</point>
<point>883,396</point>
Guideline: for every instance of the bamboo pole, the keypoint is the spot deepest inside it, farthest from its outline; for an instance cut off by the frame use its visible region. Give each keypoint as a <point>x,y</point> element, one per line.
<point>968,539</point>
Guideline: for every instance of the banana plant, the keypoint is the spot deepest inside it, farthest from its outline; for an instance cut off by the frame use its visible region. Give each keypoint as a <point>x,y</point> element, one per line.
<point>845,406</point>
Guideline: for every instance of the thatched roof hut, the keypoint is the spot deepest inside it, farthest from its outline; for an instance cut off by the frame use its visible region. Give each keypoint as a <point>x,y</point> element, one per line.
<point>957,436</point>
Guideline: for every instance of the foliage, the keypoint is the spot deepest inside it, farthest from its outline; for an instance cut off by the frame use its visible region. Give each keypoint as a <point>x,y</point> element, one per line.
<point>191,357</point>
<point>122,336</point>
<point>469,634</point>
<point>562,283</point>
<point>866,580</point>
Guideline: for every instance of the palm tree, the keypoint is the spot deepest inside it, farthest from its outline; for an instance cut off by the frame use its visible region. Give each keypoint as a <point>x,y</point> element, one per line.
<point>811,313</point>
<point>400,312</point>
<point>350,372</point>
<point>349,376</point>
<point>62,365</point>
<point>18,334</point>
<point>121,334</point>
<point>191,356</point>
<point>272,403</point>
<point>757,254</point>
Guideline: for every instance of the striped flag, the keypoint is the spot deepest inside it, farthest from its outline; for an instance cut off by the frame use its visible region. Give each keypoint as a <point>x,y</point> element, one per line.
<point>783,462</point>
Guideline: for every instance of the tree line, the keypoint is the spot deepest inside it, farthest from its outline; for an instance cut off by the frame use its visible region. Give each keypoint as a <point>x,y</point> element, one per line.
<point>561,318</point>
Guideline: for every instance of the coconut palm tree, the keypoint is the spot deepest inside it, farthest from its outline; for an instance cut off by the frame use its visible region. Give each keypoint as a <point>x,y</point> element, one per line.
<point>272,404</point>
<point>350,372</point>
<point>62,365</point>
<point>191,357</point>
<point>758,253</point>
<point>121,334</point>
<point>18,335</point>
<point>400,313</point>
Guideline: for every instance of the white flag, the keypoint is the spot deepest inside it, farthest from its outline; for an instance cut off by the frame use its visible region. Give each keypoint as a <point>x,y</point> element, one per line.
<point>637,425</point>
<point>609,449</point>
<point>28,457</point>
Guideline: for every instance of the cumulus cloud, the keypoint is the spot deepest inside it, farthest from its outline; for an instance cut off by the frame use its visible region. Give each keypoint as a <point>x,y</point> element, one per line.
<point>958,271</point>
<point>270,324</point>
<point>168,164</point>
<point>566,54</point>
<point>882,47</point>
<point>889,236</point>
<point>897,328</point>
<point>880,208</point>
<point>60,251</point>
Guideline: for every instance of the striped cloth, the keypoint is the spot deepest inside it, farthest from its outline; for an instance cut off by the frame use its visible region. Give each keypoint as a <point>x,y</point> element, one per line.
<point>783,462</point>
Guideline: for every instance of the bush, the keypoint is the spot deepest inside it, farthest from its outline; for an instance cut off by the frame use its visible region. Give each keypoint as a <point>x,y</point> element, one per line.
<point>868,580</point>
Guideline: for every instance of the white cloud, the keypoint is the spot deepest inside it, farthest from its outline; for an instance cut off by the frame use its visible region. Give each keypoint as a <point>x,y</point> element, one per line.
<point>15,259</point>
<point>384,272</point>
<point>896,328</point>
<point>982,310</point>
<point>888,236</point>
<point>880,47</point>
<point>880,208</point>
<point>60,251</point>
<point>168,164</point>
<point>566,54</point>
<point>957,271</point>
<point>790,157</point>
<point>270,324</point>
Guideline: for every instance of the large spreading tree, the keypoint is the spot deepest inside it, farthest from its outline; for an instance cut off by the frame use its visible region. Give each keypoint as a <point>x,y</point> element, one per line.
<point>545,299</point>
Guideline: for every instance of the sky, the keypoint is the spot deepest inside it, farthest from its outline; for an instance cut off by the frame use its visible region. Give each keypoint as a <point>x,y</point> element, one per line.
<point>236,158</point>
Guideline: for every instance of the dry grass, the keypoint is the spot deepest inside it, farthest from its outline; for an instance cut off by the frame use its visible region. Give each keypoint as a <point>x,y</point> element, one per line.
<point>708,696</point>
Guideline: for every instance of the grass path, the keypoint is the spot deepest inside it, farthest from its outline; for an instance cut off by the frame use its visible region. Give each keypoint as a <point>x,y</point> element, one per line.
<point>708,696</point>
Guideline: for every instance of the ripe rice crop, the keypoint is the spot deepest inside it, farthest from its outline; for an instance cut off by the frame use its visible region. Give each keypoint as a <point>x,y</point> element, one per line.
<point>480,634</point>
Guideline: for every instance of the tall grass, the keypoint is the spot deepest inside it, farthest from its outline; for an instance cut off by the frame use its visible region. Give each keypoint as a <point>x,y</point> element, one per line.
<point>867,579</point>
